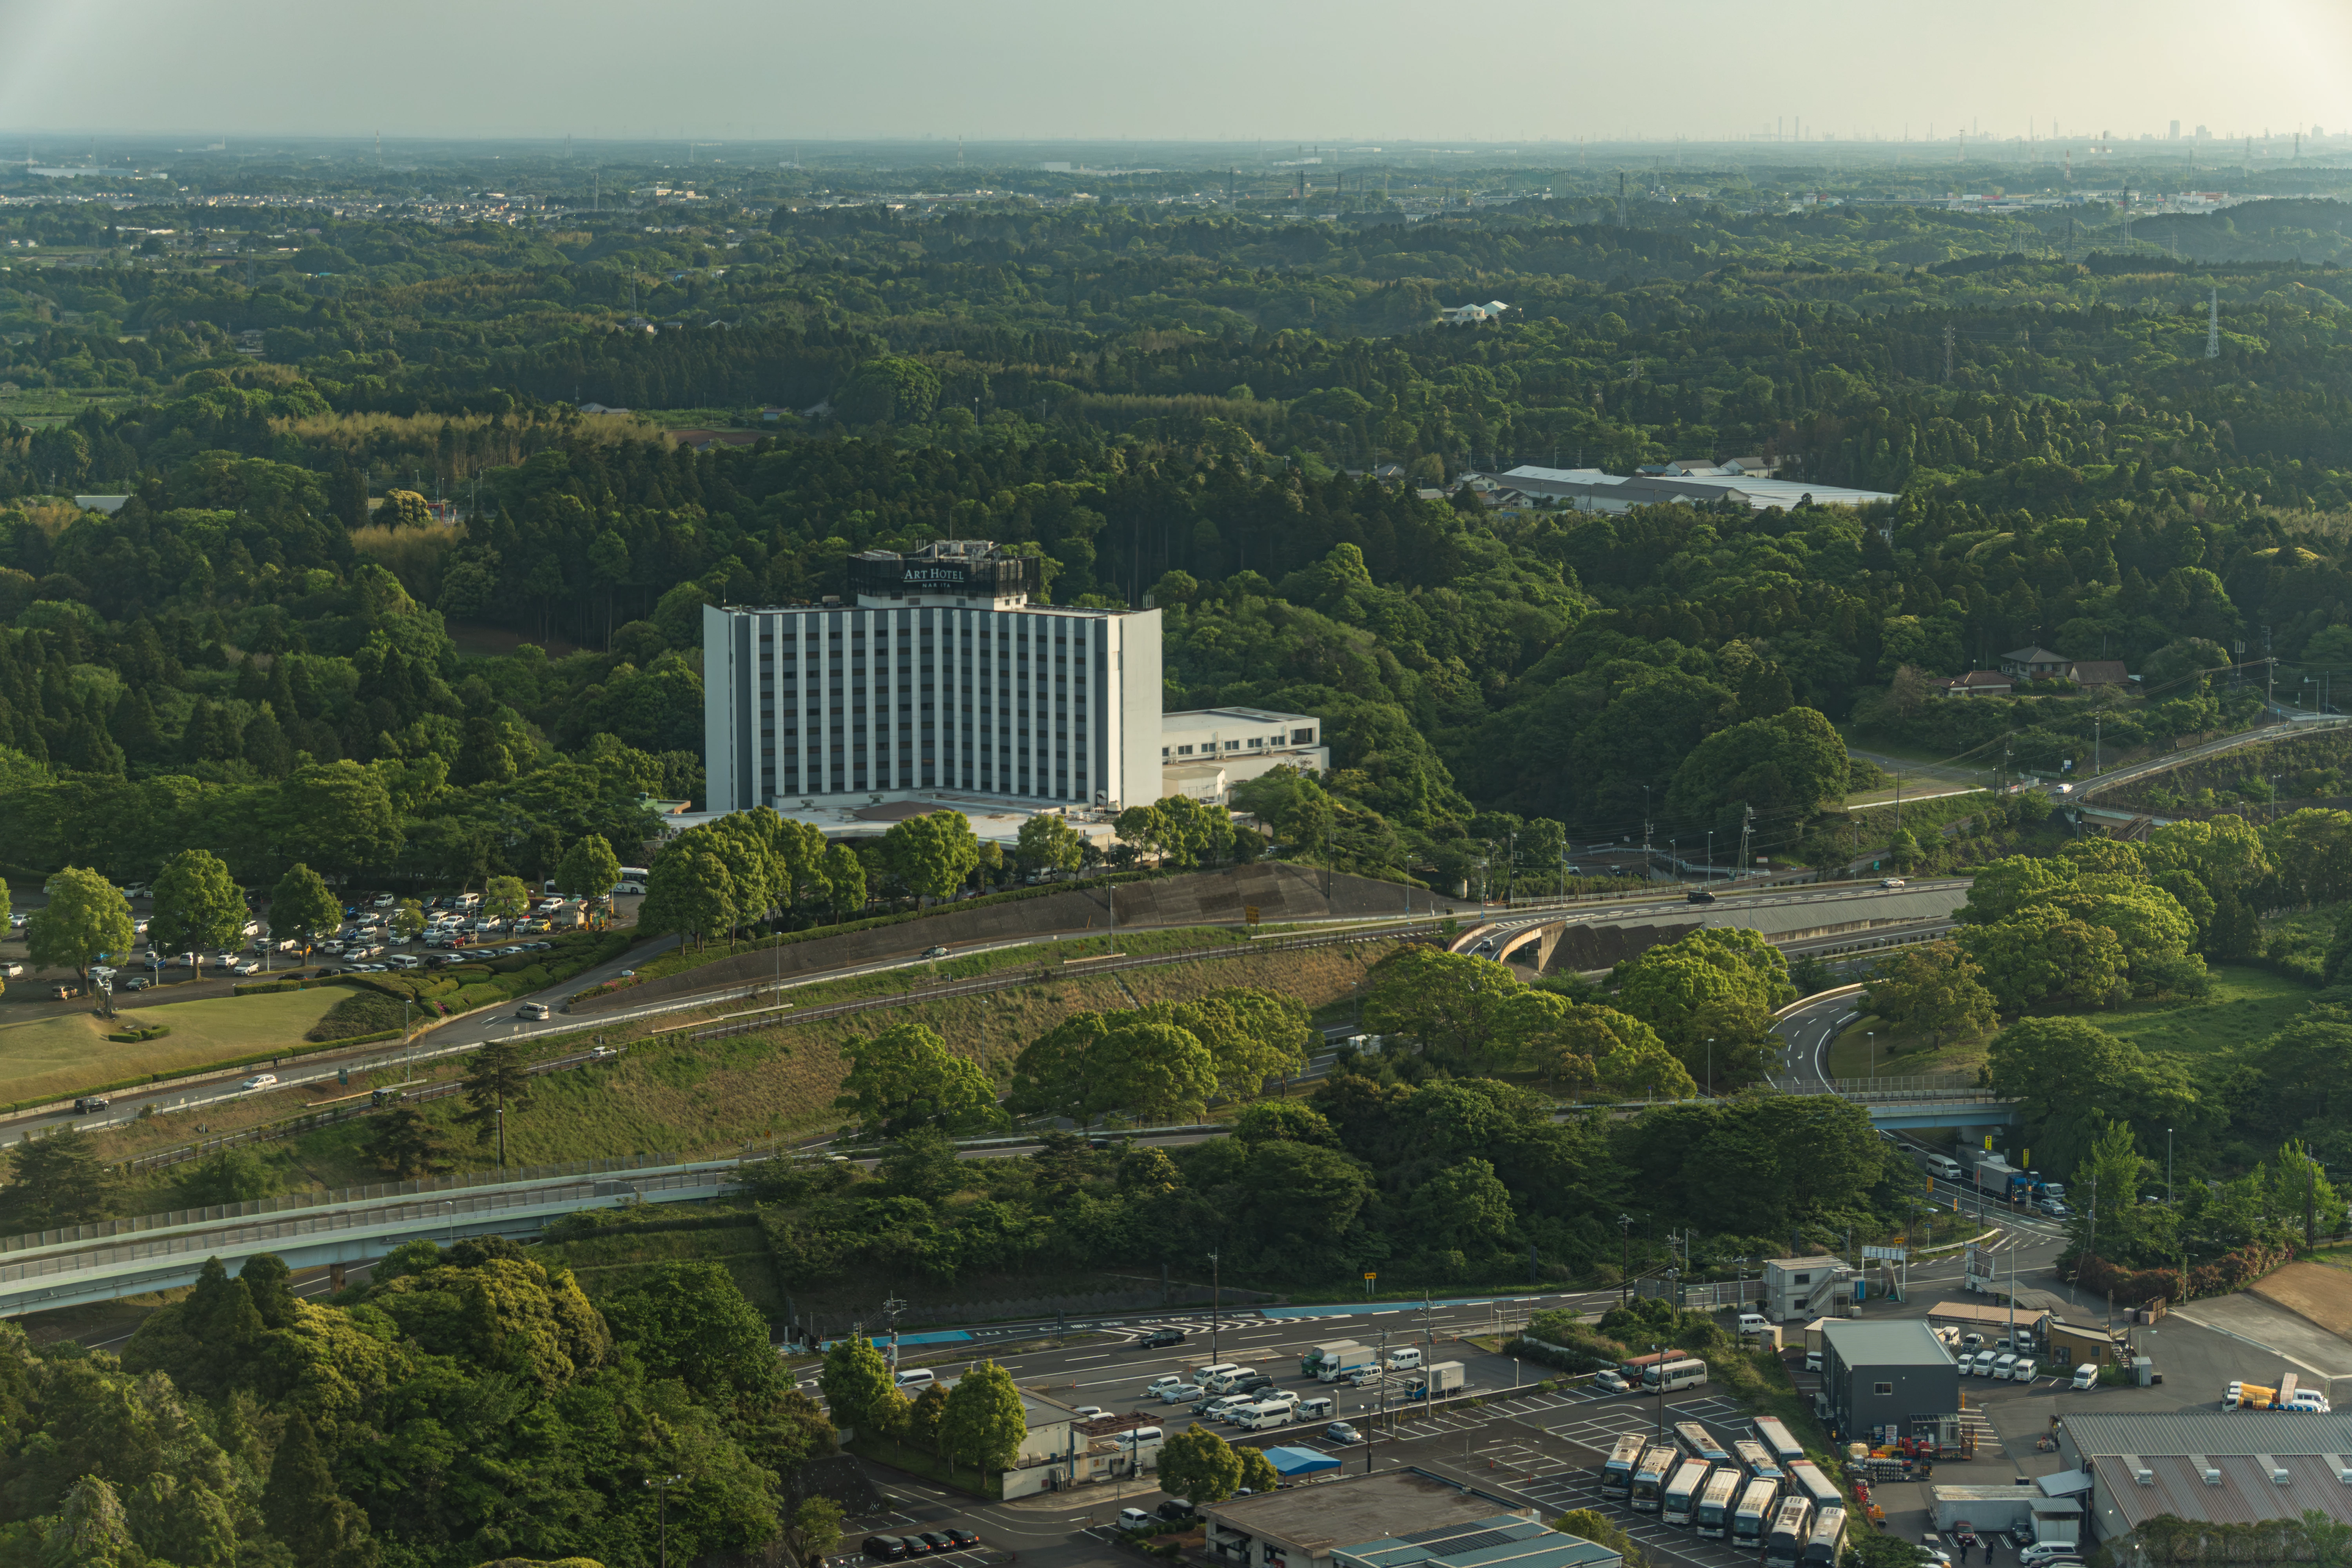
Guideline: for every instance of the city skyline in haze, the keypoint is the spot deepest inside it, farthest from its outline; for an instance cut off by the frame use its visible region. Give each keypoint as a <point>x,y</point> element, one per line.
<point>1067,72</point>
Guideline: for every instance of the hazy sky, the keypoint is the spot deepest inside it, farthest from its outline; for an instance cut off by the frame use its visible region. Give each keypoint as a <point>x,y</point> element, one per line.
<point>1507,71</point>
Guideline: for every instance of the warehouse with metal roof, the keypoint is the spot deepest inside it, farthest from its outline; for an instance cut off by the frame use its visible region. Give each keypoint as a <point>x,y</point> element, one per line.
<point>2210,1467</point>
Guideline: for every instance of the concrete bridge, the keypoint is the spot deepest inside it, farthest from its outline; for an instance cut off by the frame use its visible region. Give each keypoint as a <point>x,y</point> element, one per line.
<point>41,1274</point>
<point>1591,939</point>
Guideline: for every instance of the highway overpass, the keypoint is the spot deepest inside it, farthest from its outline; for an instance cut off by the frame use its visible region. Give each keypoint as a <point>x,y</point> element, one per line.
<point>102,1263</point>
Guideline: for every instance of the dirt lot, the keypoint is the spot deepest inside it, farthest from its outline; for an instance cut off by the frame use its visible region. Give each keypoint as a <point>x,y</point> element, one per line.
<point>2319,1292</point>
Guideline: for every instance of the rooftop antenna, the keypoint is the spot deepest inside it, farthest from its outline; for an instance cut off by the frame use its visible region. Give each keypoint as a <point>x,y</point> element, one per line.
<point>2213,327</point>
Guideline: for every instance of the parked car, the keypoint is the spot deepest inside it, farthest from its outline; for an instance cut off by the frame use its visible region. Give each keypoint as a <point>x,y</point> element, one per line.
<point>1610,1380</point>
<point>138,983</point>
<point>1161,1337</point>
<point>250,966</point>
<point>1135,1519</point>
<point>1176,1510</point>
<point>1341,1432</point>
<point>1177,1394</point>
<point>259,1080</point>
<point>534,1010</point>
<point>884,1549</point>
<point>604,1053</point>
<point>961,1537</point>
<point>2041,1553</point>
<point>2086,1376</point>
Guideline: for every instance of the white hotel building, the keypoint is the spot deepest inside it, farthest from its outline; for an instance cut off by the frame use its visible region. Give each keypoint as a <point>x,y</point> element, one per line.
<point>940,676</point>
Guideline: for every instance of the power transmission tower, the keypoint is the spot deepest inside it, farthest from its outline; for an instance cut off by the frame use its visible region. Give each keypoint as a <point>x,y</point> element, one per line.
<point>2213,328</point>
<point>1948,351</point>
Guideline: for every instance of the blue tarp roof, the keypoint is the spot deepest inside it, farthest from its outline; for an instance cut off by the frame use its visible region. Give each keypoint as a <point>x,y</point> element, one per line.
<point>1301,1461</point>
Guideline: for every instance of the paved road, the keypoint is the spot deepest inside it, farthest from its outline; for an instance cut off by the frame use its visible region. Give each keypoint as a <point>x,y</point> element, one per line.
<point>1505,923</point>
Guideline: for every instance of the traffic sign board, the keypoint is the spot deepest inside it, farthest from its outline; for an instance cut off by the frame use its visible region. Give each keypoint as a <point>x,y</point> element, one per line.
<point>1249,913</point>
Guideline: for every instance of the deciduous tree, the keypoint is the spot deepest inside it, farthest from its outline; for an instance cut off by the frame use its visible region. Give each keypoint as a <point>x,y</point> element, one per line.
<point>85,915</point>
<point>984,1422</point>
<point>301,905</point>
<point>198,904</point>
<point>905,1077</point>
<point>1199,1466</point>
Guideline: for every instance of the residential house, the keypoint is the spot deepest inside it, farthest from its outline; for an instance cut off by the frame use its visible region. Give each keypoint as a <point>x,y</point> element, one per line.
<point>2036,663</point>
<point>1975,683</point>
<point>2092,674</point>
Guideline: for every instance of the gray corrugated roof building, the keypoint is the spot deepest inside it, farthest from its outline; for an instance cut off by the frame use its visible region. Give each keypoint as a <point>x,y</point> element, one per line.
<point>2217,1488</point>
<point>2092,1435</point>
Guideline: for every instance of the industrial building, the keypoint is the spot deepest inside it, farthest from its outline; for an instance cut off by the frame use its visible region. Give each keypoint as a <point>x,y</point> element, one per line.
<point>1392,1519</point>
<point>942,674</point>
<point>1591,490</point>
<point>1882,1378</point>
<point>2206,1466</point>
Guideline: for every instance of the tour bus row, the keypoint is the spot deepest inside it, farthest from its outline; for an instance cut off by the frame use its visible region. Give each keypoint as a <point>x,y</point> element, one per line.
<point>1783,1507</point>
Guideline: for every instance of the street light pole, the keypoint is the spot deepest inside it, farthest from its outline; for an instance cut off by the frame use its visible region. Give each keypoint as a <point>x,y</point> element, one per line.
<point>1625,1274</point>
<point>660,1485</point>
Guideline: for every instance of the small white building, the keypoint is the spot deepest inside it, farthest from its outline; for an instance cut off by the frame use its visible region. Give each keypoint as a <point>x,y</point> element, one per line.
<point>1805,1288</point>
<point>1206,751</point>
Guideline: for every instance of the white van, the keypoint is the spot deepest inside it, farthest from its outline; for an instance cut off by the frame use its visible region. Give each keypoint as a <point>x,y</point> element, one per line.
<point>916,1379</point>
<point>1322,1407</point>
<point>1224,1381</point>
<point>1206,1376</point>
<point>1406,1359</point>
<point>1943,1167</point>
<point>1984,1362</point>
<point>1141,1437</point>
<point>1263,1415</point>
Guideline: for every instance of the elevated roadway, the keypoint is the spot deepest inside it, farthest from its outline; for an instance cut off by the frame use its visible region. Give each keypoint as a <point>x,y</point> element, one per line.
<point>1593,938</point>
<point>168,1250</point>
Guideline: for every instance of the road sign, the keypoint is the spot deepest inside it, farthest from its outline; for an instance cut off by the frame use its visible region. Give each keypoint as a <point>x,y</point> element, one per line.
<point>1371,1276</point>
<point>1884,1254</point>
<point>1249,913</point>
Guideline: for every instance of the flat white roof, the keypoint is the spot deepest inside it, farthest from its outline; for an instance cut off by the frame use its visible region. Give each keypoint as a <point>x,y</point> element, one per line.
<point>1195,720</point>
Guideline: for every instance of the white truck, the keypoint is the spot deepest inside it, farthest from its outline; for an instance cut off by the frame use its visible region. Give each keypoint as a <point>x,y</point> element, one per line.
<point>1444,1378</point>
<point>1347,1363</point>
<point>1315,1357</point>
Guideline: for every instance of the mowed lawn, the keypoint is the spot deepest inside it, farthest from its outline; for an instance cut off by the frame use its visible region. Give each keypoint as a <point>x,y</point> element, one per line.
<point>2244,1005</point>
<point>66,1054</point>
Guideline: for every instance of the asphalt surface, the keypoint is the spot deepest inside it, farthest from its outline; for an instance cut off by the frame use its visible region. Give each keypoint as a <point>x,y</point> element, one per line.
<point>1540,1448</point>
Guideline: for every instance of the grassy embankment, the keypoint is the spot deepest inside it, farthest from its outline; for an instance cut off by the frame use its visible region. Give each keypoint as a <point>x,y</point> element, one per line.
<point>2244,1004</point>
<point>669,1094</point>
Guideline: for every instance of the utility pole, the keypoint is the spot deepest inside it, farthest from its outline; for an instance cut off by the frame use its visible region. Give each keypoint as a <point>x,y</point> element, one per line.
<point>1216,1307</point>
<point>1948,351</point>
<point>2168,1165</point>
<point>1746,822</point>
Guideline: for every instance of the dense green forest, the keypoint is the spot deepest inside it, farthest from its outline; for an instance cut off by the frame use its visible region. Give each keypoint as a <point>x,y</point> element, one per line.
<point>1180,408</point>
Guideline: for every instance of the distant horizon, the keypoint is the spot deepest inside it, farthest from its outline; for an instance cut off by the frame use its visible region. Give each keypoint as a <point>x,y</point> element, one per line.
<point>1219,73</point>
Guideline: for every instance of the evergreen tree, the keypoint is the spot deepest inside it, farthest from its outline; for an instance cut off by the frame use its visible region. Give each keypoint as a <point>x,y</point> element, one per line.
<point>497,1081</point>
<point>136,730</point>
<point>301,1507</point>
